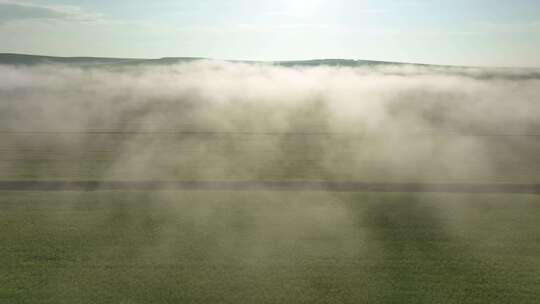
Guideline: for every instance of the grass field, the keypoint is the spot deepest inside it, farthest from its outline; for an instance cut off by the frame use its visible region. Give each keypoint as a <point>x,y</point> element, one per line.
<point>173,155</point>
<point>313,131</point>
<point>263,246</point>
<point>266,247</point>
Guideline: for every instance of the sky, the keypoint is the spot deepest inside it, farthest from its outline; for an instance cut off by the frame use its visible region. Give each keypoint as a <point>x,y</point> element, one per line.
<point>453,32</point>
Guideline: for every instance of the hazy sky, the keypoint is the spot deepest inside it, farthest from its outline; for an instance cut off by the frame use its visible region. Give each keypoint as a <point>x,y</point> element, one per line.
<point>462,32</point>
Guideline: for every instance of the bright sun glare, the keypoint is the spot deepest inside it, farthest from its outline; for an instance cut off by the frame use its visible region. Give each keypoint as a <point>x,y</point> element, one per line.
<point>303,8</point>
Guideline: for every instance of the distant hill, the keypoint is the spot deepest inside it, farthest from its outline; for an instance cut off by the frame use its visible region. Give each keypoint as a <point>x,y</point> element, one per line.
<point>333,62</point>
<point>475,72</point>
<point>22,59</point>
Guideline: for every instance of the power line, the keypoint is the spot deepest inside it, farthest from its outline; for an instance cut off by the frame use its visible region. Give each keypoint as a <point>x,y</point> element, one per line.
<point>325,186</point>
<point>251,133</point>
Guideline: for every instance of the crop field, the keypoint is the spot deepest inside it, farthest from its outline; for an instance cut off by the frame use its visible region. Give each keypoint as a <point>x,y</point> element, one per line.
<point>229,182</point>
<point>141,246</point>
<point>267,247</point>
<point>177,155</point>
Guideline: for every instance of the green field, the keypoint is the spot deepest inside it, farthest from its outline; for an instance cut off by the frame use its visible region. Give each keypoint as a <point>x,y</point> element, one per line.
<point>216,123</point>
<point>267,247</point>
<point>268,156</point>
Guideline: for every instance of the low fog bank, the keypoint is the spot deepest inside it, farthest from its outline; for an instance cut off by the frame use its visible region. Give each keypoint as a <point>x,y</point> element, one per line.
<point>210,120</point>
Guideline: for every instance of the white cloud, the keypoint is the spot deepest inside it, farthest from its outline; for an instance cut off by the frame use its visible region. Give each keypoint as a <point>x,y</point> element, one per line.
<point>21,10</point>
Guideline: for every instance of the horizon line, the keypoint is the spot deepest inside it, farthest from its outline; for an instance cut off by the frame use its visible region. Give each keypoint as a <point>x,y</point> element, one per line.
<point>267,61</point>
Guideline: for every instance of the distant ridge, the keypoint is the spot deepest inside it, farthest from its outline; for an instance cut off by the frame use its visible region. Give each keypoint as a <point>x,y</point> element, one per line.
<point>23,59</point>
<point>92,62</point>
<point>334,62</point>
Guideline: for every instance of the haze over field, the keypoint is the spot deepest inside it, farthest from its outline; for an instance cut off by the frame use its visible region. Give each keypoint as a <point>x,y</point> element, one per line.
<point>210,120</point>
<point>215,120</point>
<point>269,151</point>
<point>250,123</point>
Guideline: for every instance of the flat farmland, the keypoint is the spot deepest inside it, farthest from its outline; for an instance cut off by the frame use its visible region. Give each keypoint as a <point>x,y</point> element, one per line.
<point>267,156</point>
<point>268,247</point>
<point>205,181</point>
